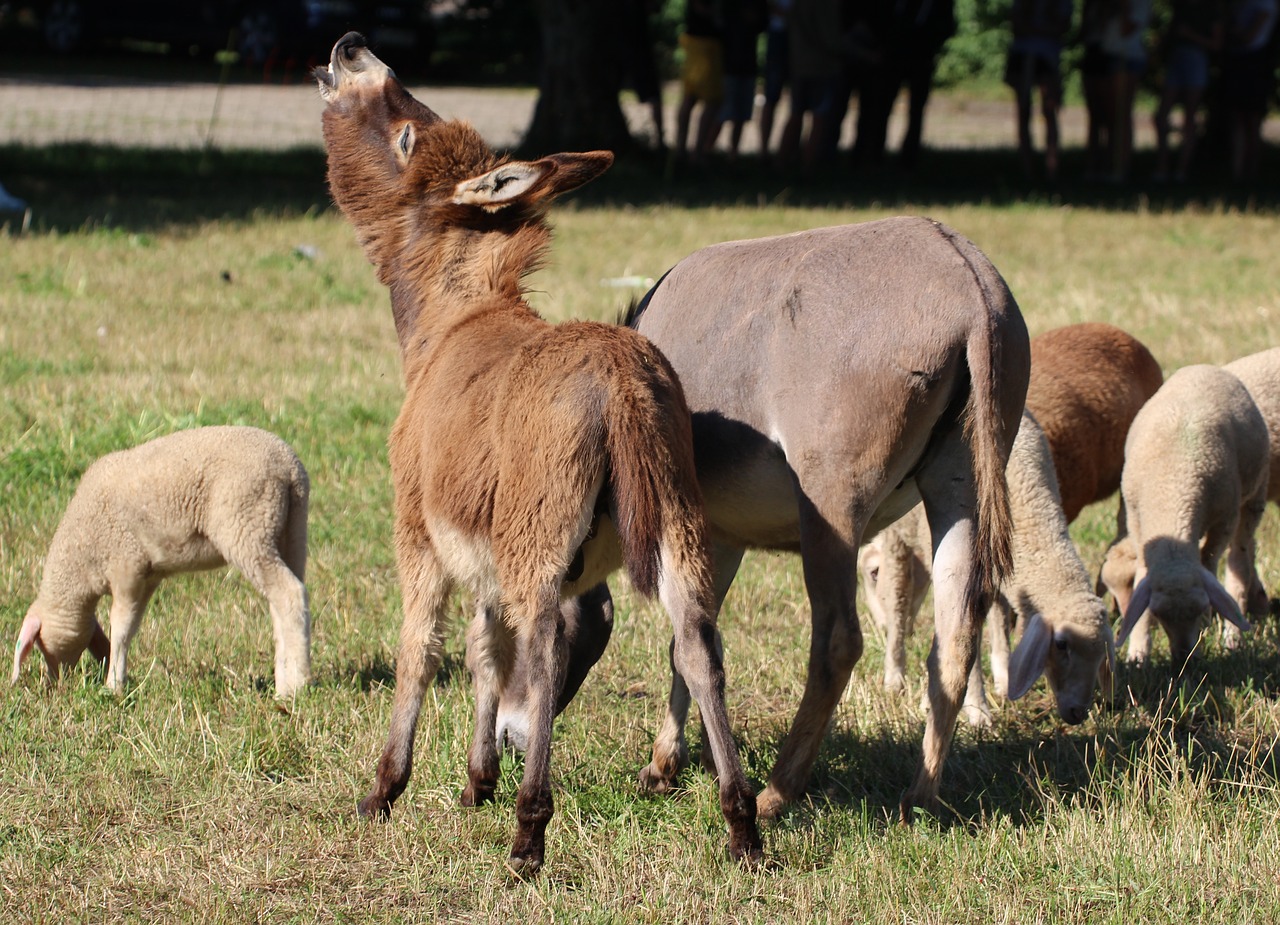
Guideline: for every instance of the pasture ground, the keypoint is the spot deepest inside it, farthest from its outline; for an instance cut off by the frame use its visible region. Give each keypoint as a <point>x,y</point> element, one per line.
<point>157,292</point>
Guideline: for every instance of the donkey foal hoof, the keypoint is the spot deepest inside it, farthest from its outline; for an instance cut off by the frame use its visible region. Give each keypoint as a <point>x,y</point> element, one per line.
<point>523,868</point>
<point>770,804</point>
<point>654,781</point>
<point>375,809</point>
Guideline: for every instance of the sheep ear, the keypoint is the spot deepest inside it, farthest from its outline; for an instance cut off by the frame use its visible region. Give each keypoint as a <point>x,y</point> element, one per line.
<point>1027,660</point>
<point>1222,601</point>
<point>1133,613</point>
<point>28,639</point>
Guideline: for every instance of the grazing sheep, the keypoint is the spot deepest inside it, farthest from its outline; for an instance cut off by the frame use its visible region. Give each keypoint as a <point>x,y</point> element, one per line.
<point>1086,385</point>
<point>1195,482</point>
<point>1260,373</point>
<point>194,500</point>
<point>1067,636</point>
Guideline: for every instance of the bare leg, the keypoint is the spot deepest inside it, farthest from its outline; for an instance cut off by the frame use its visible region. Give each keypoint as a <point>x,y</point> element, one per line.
<point>1049,104</point>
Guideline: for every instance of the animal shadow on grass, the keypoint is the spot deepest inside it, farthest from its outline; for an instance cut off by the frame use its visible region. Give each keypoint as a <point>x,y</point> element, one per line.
<point>380,671</point>
<point>1029,763</point>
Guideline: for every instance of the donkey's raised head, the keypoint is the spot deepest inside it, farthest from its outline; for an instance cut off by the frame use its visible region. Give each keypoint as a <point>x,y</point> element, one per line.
<point>399,171</point>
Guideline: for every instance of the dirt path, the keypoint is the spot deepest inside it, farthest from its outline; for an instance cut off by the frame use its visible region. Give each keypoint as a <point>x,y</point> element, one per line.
<point>191,115</point>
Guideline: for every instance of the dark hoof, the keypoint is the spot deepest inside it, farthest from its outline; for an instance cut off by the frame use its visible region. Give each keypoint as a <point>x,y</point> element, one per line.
<point>374,808</point>
<point>524,868</point>
<point>476,796</point>
<point>752,860</point>
<point>912,808</point>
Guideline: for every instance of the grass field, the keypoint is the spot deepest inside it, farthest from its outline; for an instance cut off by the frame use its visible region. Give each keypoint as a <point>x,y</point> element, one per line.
<point>130,312</point>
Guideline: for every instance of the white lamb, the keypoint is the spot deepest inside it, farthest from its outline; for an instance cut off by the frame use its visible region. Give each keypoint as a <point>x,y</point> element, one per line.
<point>1066,637</point>
<point>190,501</point>
<point>1197,462</point>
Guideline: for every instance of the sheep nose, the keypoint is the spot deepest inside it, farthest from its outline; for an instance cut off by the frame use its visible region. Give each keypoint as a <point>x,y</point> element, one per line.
<point>349,44</point>
<point>1074,716</point>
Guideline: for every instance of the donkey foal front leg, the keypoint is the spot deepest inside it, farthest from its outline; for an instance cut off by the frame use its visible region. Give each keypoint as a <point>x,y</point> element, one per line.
<point>425,593</point>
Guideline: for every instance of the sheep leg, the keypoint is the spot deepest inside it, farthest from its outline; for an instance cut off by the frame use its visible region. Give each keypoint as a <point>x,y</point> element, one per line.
<point>894,586</point>
<point>670,750</point>
<point>1242,581</point>
<point>698,663</point>
<point>425,590</point>
<point>128,601</point>
<point>955,644</point>
<point>290,619</point>
<point>828,552</point>
<point>490,657</point>
<point>999,620</point>
<point>977,712</point>
<point>547,652</point>
<point>1138,648</point>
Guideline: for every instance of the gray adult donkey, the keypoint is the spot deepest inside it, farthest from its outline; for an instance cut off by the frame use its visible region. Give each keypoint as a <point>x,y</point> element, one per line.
<point>837,376</point>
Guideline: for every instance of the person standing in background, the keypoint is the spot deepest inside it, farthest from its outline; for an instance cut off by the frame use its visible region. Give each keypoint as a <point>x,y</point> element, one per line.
<point>701,79</point>
<point>1194,34</point>
<point>1034,63</point>
<point>636,64</point>
<point>744,20</point>
<point>777,69</point>
<point>1248,77</point>
<point>1124,46</point>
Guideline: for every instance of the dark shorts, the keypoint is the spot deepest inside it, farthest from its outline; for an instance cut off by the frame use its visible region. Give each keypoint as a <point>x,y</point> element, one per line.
<point>815,95</point>
<point>1023,70</point>
<point>739,98</point>
<point>1247,81</point>
<point>777,65</point>
<point>1097,63</point>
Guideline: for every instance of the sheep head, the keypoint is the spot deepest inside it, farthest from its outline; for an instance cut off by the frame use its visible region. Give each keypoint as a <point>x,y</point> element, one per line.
<point>1073,658</point>
<point>60,648</point>
<point>1180,599</point>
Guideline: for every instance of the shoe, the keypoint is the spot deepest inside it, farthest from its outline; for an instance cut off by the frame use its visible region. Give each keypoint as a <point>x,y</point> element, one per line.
<point>10,202</point>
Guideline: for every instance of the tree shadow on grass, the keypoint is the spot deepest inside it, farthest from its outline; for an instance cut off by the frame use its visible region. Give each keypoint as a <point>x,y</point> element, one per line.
<point>74,186</point>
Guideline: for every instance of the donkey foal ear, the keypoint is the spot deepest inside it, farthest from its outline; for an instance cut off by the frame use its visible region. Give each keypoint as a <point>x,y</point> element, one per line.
<point>501,186</point>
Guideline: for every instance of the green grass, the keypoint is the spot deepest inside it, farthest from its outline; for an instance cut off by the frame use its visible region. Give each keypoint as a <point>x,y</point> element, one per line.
<point>194,797</point>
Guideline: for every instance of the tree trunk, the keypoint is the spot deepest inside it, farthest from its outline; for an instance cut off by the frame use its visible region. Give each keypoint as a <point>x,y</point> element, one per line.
<point>578,107</point>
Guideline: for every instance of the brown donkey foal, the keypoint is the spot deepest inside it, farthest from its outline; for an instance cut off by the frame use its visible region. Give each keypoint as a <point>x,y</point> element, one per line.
<point>529,459</point>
